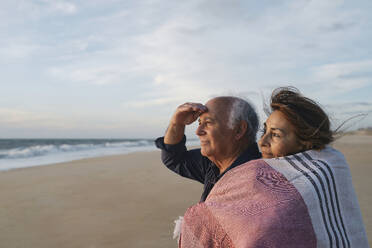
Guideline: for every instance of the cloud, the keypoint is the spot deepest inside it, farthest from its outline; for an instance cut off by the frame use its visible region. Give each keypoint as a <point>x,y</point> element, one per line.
<point>18,118</point>
<point>337,26</point>
<point>156,102</point>
<point>63,7</point>
<point>343,77</point>
<point>40,9</point>
<point>16,50</point>
<point>25,118</point>
<point>14,117</point>
<point>98,75</point>
<point>349,108</point>
<point>191,47</point>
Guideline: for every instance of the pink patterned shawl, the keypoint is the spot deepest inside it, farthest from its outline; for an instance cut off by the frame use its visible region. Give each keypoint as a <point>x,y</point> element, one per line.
<point>304,200</point>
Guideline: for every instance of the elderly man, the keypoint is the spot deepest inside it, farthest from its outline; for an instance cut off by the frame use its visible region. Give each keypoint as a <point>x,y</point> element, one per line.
<point>227,132</point>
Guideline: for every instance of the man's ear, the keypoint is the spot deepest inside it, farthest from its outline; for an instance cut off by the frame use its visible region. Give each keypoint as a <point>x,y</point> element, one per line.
<point>241,130</point>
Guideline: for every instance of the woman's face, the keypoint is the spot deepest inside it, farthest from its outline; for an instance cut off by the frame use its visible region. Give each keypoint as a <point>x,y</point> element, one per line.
<point>279,138</point>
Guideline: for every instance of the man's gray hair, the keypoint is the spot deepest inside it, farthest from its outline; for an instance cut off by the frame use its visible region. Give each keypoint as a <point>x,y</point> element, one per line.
<point>243,110</point>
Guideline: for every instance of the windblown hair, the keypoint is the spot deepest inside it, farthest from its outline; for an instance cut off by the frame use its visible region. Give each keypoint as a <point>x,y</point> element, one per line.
<point>311,123</point>
<point>243,110</point>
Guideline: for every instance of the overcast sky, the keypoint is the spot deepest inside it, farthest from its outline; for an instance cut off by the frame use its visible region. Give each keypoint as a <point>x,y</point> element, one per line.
<point>118,69</point>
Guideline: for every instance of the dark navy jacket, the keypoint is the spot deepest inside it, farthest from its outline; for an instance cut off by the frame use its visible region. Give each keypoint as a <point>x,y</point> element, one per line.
<point>193,165</point>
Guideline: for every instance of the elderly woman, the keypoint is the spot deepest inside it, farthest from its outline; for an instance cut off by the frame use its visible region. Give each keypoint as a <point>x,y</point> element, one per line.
<point>299,195</point>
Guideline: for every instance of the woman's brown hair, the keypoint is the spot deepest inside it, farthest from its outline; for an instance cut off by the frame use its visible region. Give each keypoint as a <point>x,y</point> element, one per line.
<point>311,123</point>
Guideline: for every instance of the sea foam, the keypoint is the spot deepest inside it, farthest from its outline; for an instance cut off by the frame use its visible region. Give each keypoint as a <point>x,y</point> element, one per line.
<point>19,153</point>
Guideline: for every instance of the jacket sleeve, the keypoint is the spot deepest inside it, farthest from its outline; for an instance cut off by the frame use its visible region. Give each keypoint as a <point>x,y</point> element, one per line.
<point>190,164</point>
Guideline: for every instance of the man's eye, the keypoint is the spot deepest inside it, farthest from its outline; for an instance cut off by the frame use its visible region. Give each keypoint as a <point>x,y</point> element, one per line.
<point>207,123</point>
<point>276,135</point>
<point>204,123</point>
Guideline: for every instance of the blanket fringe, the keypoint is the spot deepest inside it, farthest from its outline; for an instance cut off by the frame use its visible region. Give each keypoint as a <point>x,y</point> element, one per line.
<point>177,228</point>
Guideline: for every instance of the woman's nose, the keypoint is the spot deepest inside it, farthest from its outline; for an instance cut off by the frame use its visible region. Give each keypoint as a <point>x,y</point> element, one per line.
<point>263,140</point>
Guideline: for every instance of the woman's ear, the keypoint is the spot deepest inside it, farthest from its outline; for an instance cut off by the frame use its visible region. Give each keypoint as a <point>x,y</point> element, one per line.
<point>241,129</point>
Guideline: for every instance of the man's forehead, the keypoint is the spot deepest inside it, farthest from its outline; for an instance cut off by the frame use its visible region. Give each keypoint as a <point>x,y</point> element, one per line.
<point>213,106</point>
<point>215,112</point>
<point>206,115</point>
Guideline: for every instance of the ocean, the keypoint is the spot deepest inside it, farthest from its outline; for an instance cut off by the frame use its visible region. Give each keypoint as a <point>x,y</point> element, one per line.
<point>20,153</point>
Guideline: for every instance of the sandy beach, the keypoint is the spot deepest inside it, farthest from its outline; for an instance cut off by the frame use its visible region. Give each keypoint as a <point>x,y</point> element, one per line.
<point>121,201</point>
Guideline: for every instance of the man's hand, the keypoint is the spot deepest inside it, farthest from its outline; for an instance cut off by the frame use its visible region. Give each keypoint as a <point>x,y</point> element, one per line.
<point>185,114</point>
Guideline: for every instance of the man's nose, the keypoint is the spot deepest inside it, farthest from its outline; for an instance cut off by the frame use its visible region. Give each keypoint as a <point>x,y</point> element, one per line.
<point>200,130</point>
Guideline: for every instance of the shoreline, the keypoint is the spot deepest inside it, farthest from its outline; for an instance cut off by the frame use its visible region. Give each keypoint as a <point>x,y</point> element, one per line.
<point>109,156</point>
